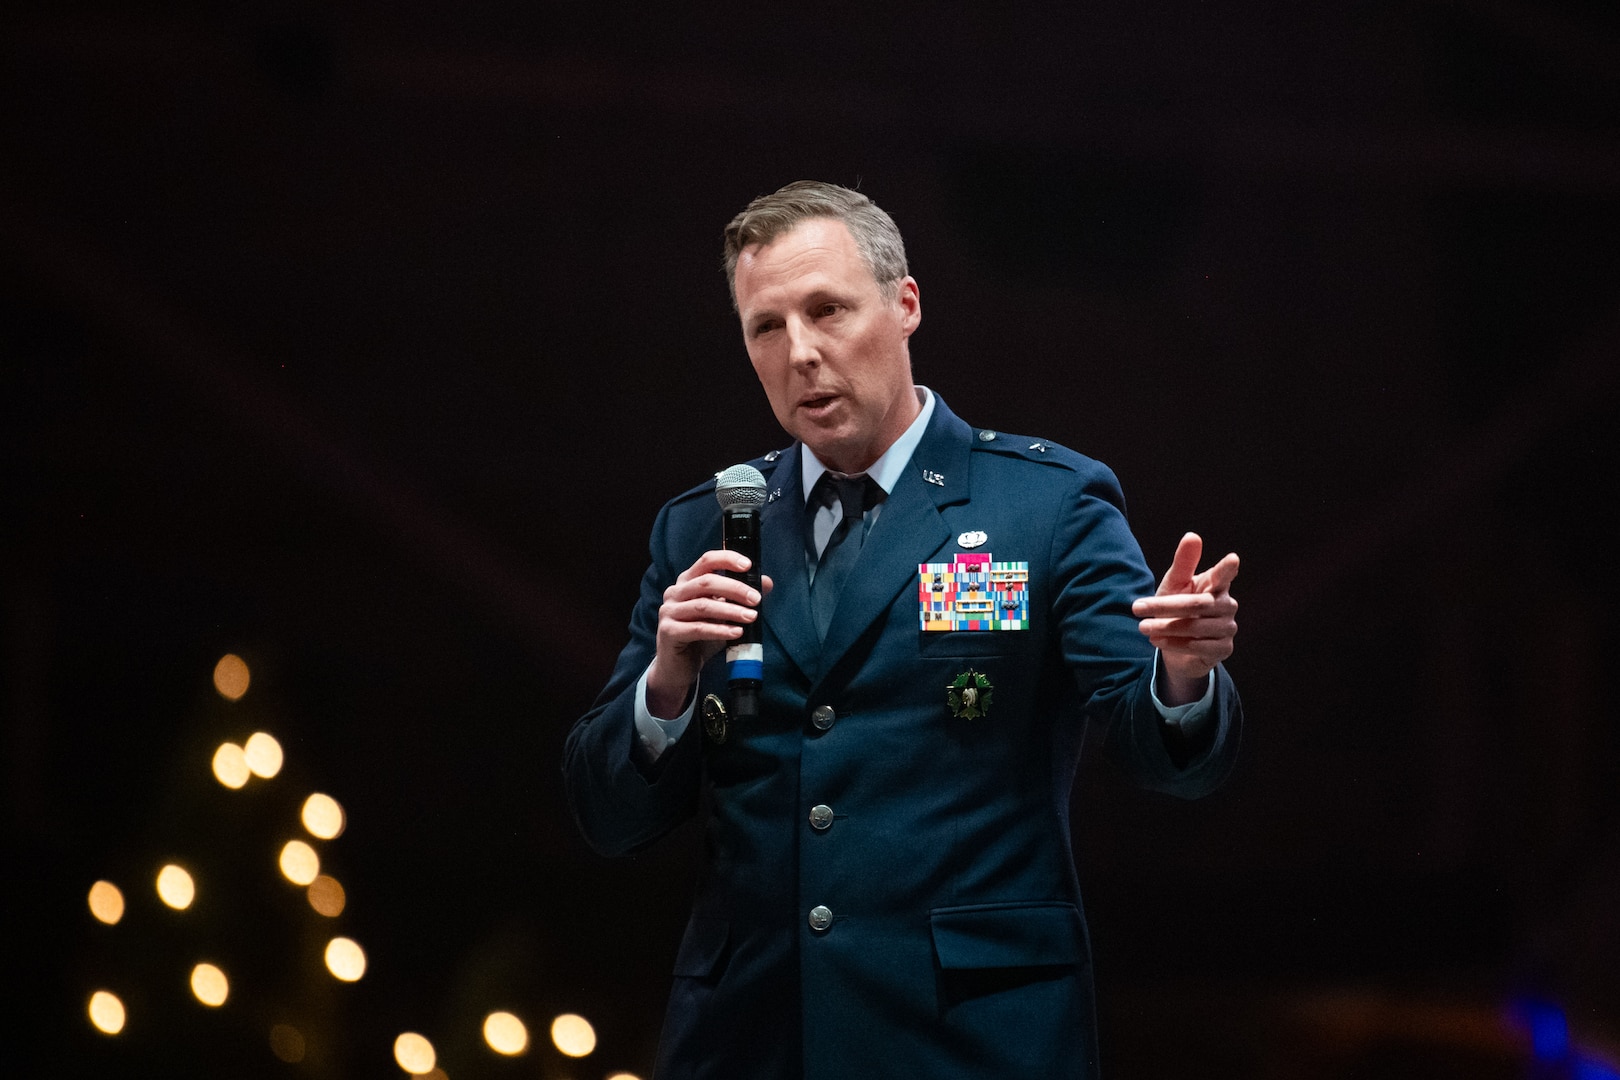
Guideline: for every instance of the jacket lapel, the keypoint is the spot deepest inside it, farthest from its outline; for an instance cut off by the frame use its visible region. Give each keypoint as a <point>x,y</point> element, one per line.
<point>781,526</point>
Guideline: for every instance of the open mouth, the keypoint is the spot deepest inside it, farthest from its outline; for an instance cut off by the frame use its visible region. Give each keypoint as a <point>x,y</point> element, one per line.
<point>819,403</point>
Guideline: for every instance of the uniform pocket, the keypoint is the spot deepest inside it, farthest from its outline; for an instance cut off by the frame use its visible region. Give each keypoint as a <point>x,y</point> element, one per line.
<point>949,643</point>
<point>702,946</point>
<point>1010,935</point>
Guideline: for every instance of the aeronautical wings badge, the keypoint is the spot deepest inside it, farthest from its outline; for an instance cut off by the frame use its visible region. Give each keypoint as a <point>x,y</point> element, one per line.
<point>968,695</point>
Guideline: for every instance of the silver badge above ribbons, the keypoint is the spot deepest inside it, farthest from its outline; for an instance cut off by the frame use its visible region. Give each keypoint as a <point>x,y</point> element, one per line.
<point>972,539</point>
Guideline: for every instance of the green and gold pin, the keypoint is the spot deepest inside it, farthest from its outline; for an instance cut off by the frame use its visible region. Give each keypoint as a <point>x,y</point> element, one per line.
<point>968,695</point>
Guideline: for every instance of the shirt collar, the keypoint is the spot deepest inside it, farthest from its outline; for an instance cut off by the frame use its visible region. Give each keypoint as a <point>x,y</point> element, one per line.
<point>886,469</point>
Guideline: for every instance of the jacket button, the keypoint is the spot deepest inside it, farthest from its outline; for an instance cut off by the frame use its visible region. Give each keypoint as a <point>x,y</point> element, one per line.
<point>823,717</point>
<point>820,917</point>
<point>821,816</point>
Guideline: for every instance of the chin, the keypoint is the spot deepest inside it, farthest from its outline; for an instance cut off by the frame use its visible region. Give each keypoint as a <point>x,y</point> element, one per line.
<point>822,440</point>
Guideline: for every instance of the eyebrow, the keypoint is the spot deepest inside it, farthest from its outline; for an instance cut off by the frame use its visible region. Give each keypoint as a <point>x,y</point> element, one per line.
<point>820,294</point>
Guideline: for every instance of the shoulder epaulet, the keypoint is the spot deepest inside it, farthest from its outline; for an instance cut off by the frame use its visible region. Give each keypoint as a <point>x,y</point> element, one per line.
<point>1027,447</point>
<point>765,463</point>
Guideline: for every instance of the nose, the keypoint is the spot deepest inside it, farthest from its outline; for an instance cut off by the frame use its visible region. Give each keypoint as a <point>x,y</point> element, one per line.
<point>802,351</point>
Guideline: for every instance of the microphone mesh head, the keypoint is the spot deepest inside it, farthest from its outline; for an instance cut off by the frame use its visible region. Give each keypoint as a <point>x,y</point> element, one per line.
<point>740,487</point>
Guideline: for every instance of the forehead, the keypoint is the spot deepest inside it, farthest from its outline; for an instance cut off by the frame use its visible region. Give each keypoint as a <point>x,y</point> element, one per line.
<point>815,254</point>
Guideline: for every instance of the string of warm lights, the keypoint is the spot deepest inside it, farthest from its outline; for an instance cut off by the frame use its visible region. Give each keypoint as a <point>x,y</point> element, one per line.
<point>260,757</point>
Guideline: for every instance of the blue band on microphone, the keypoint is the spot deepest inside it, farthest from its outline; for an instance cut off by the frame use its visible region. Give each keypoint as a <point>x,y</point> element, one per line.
<point>745,669</point>
<point>745,660</point>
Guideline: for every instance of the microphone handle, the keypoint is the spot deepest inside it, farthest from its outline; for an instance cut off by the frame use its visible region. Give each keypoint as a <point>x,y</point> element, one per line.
<point>746,655</point>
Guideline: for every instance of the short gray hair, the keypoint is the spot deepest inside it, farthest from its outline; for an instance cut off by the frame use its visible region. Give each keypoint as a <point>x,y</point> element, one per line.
<point>770,216</point>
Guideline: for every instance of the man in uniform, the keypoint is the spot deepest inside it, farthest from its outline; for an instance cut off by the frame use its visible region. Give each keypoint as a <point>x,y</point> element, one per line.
<point>888,887</point>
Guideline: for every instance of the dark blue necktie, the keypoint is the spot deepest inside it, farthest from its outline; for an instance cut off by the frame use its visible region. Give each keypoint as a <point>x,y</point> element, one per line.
<point>856,494</point>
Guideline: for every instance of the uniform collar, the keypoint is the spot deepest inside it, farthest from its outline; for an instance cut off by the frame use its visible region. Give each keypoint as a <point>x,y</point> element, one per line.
<point>886,470</point>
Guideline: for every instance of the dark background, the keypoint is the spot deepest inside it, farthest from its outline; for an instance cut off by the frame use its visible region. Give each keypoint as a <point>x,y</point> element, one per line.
<point>364,341</point>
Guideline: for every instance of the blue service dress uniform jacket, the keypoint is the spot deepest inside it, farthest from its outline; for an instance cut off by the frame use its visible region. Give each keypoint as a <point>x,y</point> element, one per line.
<point>887,888</point>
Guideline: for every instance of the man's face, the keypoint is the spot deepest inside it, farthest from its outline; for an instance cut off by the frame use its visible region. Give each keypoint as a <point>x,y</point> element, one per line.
<point>829,348</point>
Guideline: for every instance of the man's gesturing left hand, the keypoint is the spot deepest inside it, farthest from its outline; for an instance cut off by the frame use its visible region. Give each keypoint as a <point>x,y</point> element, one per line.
<point>1191,620</point>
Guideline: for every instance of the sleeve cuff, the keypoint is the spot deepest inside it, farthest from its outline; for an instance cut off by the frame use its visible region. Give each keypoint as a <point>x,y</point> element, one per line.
<point>1187,719</point>
<point>654,736</point>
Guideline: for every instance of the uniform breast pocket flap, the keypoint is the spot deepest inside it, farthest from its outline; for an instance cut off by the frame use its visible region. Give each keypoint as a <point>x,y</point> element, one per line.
<point>1012,935</point>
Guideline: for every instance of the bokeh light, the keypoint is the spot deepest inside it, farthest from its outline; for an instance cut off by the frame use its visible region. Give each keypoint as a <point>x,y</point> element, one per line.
<point>505,1033</point>
<point>414,1053</point>
<point>175,887</point>
<point>624,1076</point>
<point>326,896</point>
<point>230,766</point>
<point>435,1073</point>
<point>347,961</point>
<point>263,754</point>
<point>106,1012</point>
<point>106,902</point>
<point>231,677</point>
<point>573,1035</point>
<point>323,817</point>
<point>287,1043</point>
<point>209,984</point>
<point>299,863</point>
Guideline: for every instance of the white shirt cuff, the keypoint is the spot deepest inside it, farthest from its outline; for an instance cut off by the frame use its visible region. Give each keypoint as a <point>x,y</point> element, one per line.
<point>1189,717</point>
<point>652,734</point>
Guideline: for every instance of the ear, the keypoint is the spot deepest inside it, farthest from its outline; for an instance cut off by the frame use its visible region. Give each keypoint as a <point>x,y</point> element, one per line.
<point>909,301</point>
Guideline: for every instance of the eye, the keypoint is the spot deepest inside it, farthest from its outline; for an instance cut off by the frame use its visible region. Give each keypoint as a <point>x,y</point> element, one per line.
<point>766,326</point>
<point>829,308</point>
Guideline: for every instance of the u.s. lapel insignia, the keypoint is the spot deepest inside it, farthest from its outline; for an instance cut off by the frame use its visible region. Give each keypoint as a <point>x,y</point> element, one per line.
<point>1039,447</point>
<point>937,479</point>
<point>776,493</point>
<point>773,455</point>
<point>968,695</point>
<point>714,718</point>
<point>972,539</point>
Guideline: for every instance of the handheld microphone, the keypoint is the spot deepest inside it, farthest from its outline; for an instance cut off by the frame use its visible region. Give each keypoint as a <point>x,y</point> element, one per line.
<point>741,492</point>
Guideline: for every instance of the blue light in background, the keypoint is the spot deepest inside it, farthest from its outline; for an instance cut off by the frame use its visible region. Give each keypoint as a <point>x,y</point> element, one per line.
<point>1550,1042</point>
<point>1587,1069</point>
<point>1549,1030</point>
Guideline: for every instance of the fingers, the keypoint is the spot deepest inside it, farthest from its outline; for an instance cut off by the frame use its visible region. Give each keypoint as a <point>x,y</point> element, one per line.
<point>1195,628</point>
<point>1179,578</point>
<point>1191,605</point>
<point>705,605</point>
<point>713,587</point>
<point>1193,644</point>
<point>1192,658</point>
<point>1189,615</point>
<point>1192,619</point>
<point>718,561</point>
<point>709,576</point>
<point>706,608</point>
<point>1208,637</point>
<point>702,620</point>
<point>1183,580</point>
<point>702,610</point>
<point>1218,578</point>
<point>1188,629</point>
